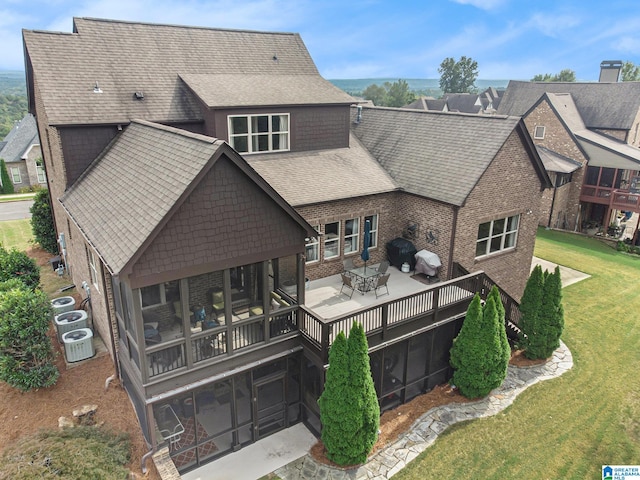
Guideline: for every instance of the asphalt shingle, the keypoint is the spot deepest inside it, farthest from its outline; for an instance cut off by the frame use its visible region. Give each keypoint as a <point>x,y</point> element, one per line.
<point>601,105</point>
<point>19,139</point>
<point>433,154</point>
<point>116,206</point>
<point>123,58</point>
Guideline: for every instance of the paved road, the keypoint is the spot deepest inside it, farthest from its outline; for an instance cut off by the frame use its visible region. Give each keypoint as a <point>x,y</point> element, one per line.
<point>15,210</point>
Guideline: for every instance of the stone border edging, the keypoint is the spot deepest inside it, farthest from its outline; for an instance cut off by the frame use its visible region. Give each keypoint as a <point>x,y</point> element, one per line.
<point>424,431</point>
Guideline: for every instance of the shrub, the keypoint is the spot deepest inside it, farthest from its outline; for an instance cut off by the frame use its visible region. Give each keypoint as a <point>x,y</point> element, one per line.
<point>26,354</point>
<point>349,408</point>
<point>7,184</point>
<point>502,332</point>
<point>530,305</point>
<point>17,264</point>
<point>76,453</point>
<point>42,225</point>
<point>477,354</point>
<point>542,320</point>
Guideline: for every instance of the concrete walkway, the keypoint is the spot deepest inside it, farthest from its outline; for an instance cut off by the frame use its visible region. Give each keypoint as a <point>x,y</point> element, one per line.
<point>567,275</point>
<point>425,430</point>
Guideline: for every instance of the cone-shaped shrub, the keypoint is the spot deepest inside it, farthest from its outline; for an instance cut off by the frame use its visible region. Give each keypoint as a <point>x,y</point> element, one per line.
<point>504,341</point>
<point>7,184</point>
<point>530,308</point>
<point>349,408</point>
<point>42,226</point>
<point>334,404</point>
<point>365,395</point>
<point>477,354</point>
<point>546,338</point>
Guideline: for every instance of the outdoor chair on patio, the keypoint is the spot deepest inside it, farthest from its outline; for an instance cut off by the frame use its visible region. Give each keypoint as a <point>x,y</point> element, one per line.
<point>347,265</point>
<point>383,267</point>
<point>347,282</point>
<point>381,282</point>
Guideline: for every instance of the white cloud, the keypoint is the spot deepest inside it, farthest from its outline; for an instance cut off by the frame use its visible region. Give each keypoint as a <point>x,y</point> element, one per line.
<point>482,4</point>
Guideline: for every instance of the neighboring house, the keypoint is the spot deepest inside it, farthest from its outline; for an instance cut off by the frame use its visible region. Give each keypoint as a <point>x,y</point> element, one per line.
<point>484,103</point>
<point>589,133</point>
<point>199,183</point>
<point>21,152</point>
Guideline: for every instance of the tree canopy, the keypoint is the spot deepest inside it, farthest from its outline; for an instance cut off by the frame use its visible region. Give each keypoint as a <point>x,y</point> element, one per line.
<point>396,94</point>
<point>458,77</point>
<point>630,72</point>
<point>565,75</point>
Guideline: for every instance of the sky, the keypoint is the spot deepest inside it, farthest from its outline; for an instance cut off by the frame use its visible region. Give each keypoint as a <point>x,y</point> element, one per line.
<point>509,39</point>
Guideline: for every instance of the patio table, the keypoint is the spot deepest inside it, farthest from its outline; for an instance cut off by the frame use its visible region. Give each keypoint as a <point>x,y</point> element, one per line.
<point>363,278</point>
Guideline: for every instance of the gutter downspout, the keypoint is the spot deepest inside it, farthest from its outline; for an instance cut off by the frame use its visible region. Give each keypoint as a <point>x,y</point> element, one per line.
<point>452,242</point>
<point>553,201</point>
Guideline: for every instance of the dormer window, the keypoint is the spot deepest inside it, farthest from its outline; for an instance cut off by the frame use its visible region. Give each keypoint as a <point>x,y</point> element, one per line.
<point>539,132</point>
<point>259,133</point>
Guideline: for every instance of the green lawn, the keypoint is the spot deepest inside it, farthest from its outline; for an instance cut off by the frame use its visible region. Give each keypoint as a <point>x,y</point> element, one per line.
<point>565,428</point>
<point>16,233</point>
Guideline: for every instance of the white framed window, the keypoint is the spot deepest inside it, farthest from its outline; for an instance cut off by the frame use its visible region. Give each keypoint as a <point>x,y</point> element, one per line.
<point>15,175</point>
<point>351,235</point>
<point>373,225</point>
<point>497,235</point>
<point>93,268</point>
<point>42,178</point>
<point>152,295</point>
<point>331,240</point>
<point>312,248</point>
<point>259,133</point>
<point>539,132</point>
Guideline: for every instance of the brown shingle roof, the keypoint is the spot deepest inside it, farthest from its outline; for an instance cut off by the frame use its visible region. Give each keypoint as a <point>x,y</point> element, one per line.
<point>126,192</point>
<point>125,58</point>
<point>245,90</point>
<point>601,105</point>
<point>304,178</point>
<point>433,154</point>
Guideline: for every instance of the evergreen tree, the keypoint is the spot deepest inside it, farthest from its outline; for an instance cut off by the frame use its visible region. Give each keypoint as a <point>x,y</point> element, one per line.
<point>530,309</point>
<point>551,318</point>
<point>477,354</point>
<point>42,222</point>
<point>365,398</point>
<point>334,405</point>
<point>7,184</point>
<point>349,408</point>
<point>504,341</point>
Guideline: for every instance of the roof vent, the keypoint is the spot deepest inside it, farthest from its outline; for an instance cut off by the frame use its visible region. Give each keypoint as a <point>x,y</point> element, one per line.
<point>610,71</point>
<point>139,96</point>
<point>97,89</point>
<point>275,57</point>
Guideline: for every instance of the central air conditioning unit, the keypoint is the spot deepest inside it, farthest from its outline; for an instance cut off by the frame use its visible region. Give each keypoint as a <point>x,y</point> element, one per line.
<point>62,305</point>
<point>73,320</point>
<point>78,345</point>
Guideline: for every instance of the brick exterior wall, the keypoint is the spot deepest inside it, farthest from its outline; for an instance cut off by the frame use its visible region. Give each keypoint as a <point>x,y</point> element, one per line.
<point>394,211</point>
<point>34,154</point>
<point>633,137</point>
<point>617,134</point>
<point>385,206</point>
<point>557,138</point>
<point>508,187</point>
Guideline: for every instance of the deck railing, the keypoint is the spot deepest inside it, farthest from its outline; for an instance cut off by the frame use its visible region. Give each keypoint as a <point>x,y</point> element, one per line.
<point>428,306</point>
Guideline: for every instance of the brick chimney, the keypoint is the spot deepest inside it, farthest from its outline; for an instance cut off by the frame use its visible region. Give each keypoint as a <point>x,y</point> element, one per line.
<point>610,70</point>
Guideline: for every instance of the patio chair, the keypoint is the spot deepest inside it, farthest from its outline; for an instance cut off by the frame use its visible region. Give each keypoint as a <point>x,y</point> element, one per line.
<point>381,282</point>
<point>383,267</point>
<point>347,282</point>
<point>347,265</point>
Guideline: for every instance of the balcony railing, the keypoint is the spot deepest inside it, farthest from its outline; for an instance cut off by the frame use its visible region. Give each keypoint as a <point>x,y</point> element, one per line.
<point>613,197</point>
<point>381,322</point>
<point>443,300</point>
